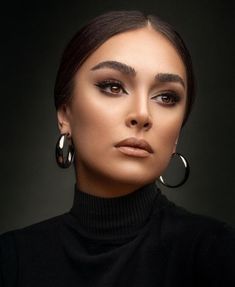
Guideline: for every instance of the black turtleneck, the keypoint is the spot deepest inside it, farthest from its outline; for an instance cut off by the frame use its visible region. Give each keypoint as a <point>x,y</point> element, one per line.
<point>140,239</point>
<point>116,217</point>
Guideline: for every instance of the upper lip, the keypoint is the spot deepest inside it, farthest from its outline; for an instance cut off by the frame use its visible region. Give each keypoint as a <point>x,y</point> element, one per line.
<point>136,143</point>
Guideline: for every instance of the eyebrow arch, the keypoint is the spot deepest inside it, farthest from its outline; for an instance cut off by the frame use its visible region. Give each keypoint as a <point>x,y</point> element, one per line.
<point>121,67</point>
<point>130,71</point>
<point>166,77</point>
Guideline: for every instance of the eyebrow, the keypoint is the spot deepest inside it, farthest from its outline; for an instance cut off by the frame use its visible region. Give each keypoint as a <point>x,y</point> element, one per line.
<point>167,77</point>
<point>130,71</point>
<point>123,68</point>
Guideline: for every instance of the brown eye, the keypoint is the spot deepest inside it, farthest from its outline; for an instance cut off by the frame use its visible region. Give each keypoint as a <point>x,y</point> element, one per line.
<point>167,99</point>
<point>111,87</point>
<point>115,89</point>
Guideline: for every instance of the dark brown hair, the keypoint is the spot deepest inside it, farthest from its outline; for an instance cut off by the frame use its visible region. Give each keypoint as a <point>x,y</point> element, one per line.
<point>100,29</point>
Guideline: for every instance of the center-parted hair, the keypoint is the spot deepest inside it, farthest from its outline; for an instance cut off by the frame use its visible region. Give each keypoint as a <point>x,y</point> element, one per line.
<point>99,30</point>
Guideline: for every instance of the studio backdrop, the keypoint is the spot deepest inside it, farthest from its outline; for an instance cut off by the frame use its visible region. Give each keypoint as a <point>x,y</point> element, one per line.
<point>33,188</point>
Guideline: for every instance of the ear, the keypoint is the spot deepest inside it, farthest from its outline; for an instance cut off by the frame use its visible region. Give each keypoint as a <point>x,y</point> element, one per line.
<point>63,119</point>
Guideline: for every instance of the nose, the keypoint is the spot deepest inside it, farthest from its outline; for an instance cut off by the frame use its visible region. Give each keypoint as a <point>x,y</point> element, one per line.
<point>139,118</point>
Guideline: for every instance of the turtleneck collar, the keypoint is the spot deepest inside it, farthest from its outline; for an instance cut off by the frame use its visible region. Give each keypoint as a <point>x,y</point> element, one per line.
<point>114,217</point>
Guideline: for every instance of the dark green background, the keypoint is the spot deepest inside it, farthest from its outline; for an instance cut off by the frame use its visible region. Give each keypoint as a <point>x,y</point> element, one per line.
<point>33,37</point>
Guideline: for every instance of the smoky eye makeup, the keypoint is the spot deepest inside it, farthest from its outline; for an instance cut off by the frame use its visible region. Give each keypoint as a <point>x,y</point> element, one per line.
<point>168,98</point>
<point>111,86</point>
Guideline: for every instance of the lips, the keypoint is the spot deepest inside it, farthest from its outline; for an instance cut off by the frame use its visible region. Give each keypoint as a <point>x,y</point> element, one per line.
<point>135,143</point>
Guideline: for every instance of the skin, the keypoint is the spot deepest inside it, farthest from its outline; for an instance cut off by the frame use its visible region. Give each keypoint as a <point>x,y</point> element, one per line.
<point>97,119</point>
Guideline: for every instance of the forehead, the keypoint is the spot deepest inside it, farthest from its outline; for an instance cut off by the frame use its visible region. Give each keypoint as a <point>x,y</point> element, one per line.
<point>144,49</point>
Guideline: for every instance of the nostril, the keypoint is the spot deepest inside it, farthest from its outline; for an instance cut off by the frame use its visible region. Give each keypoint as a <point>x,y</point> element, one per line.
<point>133,122</point>
<point>146,125</point>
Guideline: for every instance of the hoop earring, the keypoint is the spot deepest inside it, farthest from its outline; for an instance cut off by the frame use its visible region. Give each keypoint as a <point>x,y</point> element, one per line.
<point>186,175</point>
<point>64,162</point>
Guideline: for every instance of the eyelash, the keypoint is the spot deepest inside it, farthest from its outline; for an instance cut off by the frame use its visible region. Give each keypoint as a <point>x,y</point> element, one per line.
<point>173,97</point>
<point>103,85</point>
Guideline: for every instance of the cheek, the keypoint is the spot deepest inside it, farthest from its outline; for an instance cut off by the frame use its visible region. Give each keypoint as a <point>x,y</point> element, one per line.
<point>168,128</point>
<point>169,133</point>
<point>92,123</point>
<point>165,137</point>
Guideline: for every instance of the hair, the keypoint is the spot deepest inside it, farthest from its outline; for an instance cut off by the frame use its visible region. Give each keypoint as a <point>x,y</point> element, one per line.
<point>100,29</point>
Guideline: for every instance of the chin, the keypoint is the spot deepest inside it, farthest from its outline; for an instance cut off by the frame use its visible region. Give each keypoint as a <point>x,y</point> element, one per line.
<point>138,182</point>
<point>130,173</point>
<point>132,177</point>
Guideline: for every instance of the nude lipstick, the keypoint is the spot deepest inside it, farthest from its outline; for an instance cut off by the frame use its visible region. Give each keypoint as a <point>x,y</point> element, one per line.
<point>135,147</point>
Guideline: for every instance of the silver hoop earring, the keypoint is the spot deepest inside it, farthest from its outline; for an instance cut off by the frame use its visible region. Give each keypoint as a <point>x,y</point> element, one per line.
<point>186,174</point>
<point>64,162</point>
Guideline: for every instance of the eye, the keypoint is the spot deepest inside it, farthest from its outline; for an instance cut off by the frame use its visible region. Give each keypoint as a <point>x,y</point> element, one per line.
<point>112,87</point>
<point>167,98</point>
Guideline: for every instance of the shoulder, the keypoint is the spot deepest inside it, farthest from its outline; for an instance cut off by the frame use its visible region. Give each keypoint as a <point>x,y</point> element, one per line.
<point>182,227</point>
<point>210,243</point>
<point>204,231</point>
<point>19,243</point>
<point>38,230</point>
<point>177,219</point>
<point>8,260</point>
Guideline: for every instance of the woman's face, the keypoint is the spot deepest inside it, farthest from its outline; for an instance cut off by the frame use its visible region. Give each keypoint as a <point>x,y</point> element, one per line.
<point>133,88</point>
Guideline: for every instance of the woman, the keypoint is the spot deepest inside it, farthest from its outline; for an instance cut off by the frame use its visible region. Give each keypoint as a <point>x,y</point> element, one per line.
<point>124,89</point>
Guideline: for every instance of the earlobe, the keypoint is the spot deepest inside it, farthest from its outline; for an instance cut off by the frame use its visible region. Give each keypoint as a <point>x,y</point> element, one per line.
<point>63,120</point>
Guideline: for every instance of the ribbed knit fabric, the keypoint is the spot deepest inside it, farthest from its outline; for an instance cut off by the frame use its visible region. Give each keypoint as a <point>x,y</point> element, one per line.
<point>140,240</point>
<point>114,217</point>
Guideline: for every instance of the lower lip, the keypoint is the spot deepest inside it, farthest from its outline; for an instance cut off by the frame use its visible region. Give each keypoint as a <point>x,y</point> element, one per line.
<point>132,151</point>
